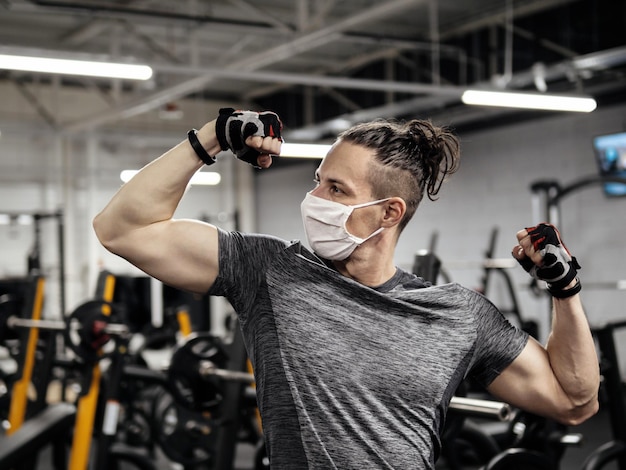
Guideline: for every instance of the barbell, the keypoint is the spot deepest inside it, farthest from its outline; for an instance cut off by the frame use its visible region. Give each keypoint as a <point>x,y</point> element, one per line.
<point>14,322</point>
<point>86,329</point>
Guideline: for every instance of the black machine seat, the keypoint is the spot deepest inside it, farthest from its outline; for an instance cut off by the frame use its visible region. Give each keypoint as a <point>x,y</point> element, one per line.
<point>38,431</point>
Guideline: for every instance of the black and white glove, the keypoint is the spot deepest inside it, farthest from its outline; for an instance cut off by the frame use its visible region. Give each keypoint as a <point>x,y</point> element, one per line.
<point>559,267</point>
<point>234,127</point>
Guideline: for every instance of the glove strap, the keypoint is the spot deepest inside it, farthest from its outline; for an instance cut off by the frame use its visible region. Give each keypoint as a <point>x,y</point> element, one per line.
<point>198,148</point>
<point>220,126</point>
<point>564,294</point>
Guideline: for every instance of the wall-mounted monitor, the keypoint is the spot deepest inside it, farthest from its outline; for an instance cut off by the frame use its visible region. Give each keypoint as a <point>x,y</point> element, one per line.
<point>610,152</point>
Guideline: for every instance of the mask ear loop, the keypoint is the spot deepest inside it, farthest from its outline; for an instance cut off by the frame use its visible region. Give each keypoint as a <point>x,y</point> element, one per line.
<point>354,238</point>
<point>369,203</point>
<point>360,241</point>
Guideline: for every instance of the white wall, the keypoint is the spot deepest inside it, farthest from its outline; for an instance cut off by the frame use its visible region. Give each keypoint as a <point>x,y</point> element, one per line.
<point>80,186</point>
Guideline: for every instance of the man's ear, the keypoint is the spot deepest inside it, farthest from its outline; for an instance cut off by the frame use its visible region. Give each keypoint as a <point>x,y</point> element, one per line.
<point>395,208</point>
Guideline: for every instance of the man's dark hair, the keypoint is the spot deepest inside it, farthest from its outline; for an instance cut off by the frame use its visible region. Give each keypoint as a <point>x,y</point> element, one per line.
<point>414,156</point>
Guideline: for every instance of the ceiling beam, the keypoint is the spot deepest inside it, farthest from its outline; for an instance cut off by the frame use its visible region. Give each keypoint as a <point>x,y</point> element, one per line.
<point>37,105</point>
<point>498,17</point>
<point>594,61</point>
<point>335,69</point>
<point>316,80</point>
<point>255,12</point>
<point>298,45</point>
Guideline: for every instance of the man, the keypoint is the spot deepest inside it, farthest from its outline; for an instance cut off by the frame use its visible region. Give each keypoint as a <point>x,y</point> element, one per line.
<point>355,359</point>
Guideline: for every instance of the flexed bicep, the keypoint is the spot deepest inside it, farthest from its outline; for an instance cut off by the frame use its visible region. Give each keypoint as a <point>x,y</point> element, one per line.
<point>180,253</point>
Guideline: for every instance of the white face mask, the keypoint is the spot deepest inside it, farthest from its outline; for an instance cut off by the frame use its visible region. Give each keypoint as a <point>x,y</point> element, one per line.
<point>325,226</point>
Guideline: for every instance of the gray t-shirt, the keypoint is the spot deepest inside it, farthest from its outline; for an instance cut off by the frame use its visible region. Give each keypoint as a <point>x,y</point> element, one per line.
<point>353,377</point>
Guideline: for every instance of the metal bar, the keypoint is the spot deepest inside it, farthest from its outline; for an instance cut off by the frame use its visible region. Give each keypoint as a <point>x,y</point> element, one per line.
<point>208,368</point>
<point>612,384</point>
<point>433,26</point>
<point>313,80</point>
<point>508,40</point>
<point>271,56</point>
<point>581,184</point>
<point>19,397</point>
<point>472,406</point>
<point>497,16</point>
<point>15,322</point>
<point>61,246</point>
<point>250,11</point>
<point>484,408</point>
<point>87,403</point>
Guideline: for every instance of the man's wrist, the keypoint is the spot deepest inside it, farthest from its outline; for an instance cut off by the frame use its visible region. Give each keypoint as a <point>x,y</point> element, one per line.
<point>570,290</point>
<point>204,143</point>
<point>198,148</point>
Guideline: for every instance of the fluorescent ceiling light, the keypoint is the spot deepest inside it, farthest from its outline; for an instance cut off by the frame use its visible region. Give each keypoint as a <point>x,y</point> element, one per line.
<point>529,101</point>
<point>75,67</point>
<point>20,219</point>
<point>304,150</point>
<point>202,178</point>
<point>286,151</point>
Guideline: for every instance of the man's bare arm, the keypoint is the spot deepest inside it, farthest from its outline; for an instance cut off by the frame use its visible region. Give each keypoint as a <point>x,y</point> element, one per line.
<point>559,381</point>
<point>138,222</point>
<point>562,379</point>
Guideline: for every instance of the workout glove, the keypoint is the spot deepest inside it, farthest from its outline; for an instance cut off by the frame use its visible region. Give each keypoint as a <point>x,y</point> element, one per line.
<point>234,127</point>
<point>559,267</point>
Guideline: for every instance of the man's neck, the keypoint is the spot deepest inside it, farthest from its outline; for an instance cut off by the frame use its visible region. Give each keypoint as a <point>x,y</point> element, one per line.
<point>372,267</point>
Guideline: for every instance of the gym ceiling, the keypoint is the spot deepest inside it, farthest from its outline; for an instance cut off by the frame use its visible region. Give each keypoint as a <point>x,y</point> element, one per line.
<point>319,63</point>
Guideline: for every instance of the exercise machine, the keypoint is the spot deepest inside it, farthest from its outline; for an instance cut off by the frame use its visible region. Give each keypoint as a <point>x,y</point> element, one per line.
<point>612,393</point>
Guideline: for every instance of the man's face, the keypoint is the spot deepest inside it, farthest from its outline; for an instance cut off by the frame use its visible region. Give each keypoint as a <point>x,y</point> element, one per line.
<point>343,174</point>
<point>343,177</point>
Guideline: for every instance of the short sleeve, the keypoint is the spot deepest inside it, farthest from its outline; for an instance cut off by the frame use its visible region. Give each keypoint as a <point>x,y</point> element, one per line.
<point>243,261</point>
<point>498,341</point>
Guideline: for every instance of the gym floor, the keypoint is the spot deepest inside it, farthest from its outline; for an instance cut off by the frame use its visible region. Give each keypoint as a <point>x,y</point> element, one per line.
<point>244,460</point>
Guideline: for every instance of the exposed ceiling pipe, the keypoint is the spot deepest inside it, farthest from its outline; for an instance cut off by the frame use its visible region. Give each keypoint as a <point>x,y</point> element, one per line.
<point>471,115</point>
<point>545,43</point>
<point>324,35</point>
<point>447,50</point>
<point>85,32</point>
<point>302,14</point>
<point>298,45</point>
<point>595,61</point>
<point>315,80</point>
<point>32,99</point>
<point>521,9</point>
<point>508,42</point>
<point>433,26</point>
<point>558,72</point>
<point>331,127</point>
<point>601,60</point>
<point>335,70</point>
<point>253,12</point>
<point>116,9</point>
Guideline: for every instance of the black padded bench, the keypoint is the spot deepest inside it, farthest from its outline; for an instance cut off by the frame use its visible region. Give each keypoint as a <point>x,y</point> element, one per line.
<point>47,427</point>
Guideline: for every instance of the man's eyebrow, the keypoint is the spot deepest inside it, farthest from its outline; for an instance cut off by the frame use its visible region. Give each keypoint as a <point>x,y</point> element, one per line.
<point>330,180</point>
